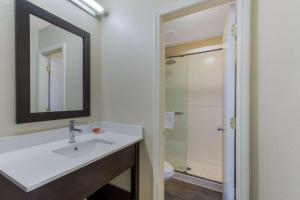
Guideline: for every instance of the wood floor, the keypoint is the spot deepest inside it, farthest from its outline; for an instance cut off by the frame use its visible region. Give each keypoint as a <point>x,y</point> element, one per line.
<point>179,190</point>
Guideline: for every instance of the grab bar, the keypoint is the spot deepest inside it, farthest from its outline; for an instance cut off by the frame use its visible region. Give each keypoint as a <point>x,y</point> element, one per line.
<point>179,113</point>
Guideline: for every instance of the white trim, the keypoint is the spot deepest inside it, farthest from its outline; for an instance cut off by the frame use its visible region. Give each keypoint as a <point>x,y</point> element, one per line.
<point>158,158</point>
<point>199,182</point>
<point>46,51</point>
<point>243,98</point>
<point>197,50</point>
<point>243,49</point>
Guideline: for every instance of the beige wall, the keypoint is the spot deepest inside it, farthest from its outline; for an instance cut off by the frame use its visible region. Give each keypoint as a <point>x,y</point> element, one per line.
<point>67,11</point>
<point>276,143</point>
<point>175,50</point>
<point>127,73</point>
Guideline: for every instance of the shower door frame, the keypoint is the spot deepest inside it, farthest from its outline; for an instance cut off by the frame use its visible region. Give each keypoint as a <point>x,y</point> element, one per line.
<point>201,50</point>
<point>178,9</point>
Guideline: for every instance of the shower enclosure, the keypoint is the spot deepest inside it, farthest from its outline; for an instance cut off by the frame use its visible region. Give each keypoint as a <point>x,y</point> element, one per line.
<point>194,92</point>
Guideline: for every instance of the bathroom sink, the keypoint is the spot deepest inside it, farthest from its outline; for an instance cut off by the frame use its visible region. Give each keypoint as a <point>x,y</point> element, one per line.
<point>83,148</point>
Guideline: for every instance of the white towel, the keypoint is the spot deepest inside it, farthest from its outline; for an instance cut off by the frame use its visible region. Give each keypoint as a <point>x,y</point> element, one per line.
<point>169,120</point>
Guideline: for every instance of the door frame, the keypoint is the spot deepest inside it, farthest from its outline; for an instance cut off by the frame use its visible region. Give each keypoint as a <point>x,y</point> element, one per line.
<point>178,9</point>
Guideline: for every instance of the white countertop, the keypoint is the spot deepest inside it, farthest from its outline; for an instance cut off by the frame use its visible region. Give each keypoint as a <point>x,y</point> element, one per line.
<point>32,167</point>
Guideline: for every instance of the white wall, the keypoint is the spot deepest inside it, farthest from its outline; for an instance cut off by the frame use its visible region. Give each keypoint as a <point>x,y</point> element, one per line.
<point>34,35</point>
<point>67,11</point>
<point>127,72</point>
<point>277,49</point>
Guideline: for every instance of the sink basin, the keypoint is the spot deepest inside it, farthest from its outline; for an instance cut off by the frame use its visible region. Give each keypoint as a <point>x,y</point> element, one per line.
<point>83,148</point>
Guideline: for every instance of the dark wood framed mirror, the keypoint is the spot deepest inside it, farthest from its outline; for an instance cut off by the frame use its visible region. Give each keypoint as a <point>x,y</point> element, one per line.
<point>52,66</point>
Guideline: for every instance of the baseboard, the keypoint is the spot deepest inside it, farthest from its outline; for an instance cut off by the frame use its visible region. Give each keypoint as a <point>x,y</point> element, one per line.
<point>110,192</point>
<point>199,182</point>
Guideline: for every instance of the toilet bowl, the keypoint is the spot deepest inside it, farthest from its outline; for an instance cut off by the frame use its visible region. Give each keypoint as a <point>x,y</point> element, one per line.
<point>168,171</point>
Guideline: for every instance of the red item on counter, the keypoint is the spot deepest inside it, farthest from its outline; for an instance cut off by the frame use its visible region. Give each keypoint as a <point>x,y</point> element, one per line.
<point>97,130</point>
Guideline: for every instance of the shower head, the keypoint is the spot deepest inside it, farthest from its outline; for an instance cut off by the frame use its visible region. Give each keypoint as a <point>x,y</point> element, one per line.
<point>170,61</point>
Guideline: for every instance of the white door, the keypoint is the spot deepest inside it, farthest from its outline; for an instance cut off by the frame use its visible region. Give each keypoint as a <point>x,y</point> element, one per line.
<point>229,107</point>
<point>43,77</point>
<point>51,82</point>
<point>57,82</point>
<point>205,108</point>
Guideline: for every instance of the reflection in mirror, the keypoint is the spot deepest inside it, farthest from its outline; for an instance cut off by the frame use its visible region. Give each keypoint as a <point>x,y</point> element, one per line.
<point>56,68</point>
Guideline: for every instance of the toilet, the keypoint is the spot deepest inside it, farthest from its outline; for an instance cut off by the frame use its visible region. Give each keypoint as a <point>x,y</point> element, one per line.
<point>168,170</point>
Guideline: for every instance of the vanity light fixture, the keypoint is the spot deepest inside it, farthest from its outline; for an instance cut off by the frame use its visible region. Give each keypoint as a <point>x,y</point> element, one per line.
<point>90,6</point>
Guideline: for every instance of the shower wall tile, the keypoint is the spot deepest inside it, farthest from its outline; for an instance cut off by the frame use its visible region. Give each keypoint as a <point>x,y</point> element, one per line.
<point>205,79</point>
<point>204,141</point>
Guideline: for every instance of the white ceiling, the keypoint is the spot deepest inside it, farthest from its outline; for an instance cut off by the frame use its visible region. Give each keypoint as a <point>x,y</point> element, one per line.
<point>198,26</point>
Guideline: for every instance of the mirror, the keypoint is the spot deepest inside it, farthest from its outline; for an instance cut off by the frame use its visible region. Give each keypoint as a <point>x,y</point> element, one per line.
<point>56,68</point>
<point>52,66</point>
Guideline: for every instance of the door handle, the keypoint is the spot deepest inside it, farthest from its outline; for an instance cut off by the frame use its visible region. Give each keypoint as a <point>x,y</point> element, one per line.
<point>219,129</point>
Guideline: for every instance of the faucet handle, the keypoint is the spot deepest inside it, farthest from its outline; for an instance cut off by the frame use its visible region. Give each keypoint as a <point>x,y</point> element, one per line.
<point>73,122</point>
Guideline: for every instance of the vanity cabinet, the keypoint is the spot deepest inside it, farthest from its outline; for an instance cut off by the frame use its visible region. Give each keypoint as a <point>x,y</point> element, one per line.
<point>82,183</point>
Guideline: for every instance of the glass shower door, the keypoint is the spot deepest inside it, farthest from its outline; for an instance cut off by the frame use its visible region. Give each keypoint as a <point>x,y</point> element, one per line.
<point>176,82</point>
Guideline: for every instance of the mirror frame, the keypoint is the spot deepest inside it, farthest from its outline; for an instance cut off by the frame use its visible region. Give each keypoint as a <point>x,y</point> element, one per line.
<point>23,9</point>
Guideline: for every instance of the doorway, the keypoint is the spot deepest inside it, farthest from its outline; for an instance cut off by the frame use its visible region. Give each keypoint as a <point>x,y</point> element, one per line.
<point>199,90</point>
<point>51,79</point>
<point>240,107</point>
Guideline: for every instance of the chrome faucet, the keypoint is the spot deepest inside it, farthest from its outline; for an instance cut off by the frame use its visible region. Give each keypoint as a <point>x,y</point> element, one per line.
<point>72,124</point>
